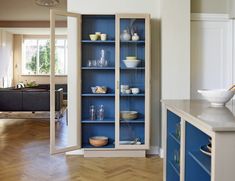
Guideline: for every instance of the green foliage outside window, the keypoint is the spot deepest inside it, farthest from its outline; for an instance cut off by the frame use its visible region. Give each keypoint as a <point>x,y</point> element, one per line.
<point>44,60</point>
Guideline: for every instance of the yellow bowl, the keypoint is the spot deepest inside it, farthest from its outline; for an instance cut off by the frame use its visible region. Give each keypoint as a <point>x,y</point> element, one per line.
<point>93,37</point>
<point>131,58</point>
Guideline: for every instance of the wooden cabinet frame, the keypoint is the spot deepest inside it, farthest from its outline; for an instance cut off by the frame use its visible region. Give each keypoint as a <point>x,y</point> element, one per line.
<point>77,115</point>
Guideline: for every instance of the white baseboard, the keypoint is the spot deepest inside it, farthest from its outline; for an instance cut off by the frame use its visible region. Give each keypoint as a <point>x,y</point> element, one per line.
<point>76,152</point>
<point>154,150</point>
<point>161,153</point>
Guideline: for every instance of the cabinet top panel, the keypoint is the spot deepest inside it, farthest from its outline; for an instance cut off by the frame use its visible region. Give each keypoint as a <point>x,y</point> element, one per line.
<point>202,114</point>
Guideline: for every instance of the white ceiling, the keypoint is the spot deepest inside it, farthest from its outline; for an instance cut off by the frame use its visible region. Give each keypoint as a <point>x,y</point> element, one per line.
<point>25,10</point>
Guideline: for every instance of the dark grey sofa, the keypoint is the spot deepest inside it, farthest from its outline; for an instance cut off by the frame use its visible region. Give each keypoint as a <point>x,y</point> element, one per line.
<point>29,99</point>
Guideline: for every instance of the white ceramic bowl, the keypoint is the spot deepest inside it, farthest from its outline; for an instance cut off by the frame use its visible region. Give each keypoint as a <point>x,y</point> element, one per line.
<point>131,63</point>
<point>135,90</point>
<point>217,97</point>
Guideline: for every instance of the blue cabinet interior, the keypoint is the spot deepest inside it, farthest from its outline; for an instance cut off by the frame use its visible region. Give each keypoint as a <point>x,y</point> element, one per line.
<point>134,77</point>
<point>92,78</point>
<point>197,164</point>
<point>91,51</point>
<point>105,76</point>
<point>173,146</point>
<point>98,23</point>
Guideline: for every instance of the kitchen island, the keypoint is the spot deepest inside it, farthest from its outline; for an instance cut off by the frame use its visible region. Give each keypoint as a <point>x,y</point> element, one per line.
<point>190,129</point>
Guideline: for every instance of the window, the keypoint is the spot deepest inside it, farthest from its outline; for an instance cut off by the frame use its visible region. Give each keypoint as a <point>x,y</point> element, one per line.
<point>36,56</point>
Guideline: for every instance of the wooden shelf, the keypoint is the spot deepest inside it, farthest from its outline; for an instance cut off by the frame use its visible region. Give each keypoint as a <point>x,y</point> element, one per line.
<point>98,68</point>
<point>87,145</point>
<point>132,121</point>
<point>98,41</point>
<point>98,95</point>
<point>132,95</point>
<point>203,160</point>
<point>136,68</point>
<point>105,121</point>
<point>134,42</point>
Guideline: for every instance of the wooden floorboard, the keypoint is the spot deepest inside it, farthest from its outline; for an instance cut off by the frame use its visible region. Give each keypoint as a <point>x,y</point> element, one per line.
<point>24,156</point>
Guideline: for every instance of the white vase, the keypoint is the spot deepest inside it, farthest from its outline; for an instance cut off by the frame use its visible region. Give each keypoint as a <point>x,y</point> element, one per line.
<point>125,36</point>
<point>135,37</point>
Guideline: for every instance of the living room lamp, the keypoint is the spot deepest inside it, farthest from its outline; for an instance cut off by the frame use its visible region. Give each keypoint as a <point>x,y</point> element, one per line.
<point>47,3</point>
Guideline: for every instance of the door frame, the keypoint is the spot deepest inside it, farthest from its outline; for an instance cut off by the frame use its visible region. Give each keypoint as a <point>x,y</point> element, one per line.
<point>76,114</point>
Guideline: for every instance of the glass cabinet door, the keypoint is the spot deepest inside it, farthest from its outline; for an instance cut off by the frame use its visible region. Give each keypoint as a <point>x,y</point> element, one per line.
<point>65,121</point>
<point>133,81</point>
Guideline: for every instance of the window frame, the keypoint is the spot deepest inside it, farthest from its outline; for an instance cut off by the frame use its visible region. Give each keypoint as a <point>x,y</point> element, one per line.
<point>40,37</point>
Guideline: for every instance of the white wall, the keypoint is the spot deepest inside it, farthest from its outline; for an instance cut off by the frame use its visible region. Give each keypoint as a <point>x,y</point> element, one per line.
<point>211,54</point>
<point>6,58</point>
<point>175,62</point>
<point>175,28</point>
<point>209,6</point>
<point>133,6</point>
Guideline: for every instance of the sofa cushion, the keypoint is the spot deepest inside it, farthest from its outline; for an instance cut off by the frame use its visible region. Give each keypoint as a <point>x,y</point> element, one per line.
<point>10,100</point>
<point>36,101</point>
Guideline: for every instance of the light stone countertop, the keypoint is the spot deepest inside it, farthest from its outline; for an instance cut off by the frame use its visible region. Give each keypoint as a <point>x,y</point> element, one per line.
<point>200,111</point>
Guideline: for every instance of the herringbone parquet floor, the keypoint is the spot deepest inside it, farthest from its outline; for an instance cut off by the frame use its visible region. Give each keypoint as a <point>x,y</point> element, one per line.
<point>24,156</point>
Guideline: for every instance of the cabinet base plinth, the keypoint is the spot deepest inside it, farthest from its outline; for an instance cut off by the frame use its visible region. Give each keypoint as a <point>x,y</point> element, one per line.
<point>114,153</point>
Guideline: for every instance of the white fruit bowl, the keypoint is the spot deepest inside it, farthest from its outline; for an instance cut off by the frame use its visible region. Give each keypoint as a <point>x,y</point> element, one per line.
<point>217,97</point>
<point>131,63</point>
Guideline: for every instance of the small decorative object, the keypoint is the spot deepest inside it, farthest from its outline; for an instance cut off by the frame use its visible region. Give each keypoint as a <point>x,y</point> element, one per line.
<point>92,113</point>
<point>135,37</point>
<point>131,63</point>
<point>93,63</point>
<point>129,115</point>
<point>135,90</point>
<point>131,58</point>
<point>99,90</point>
<point>102,62</point>
<point>19,85</point>
<point>128,91</point>
<point>124,88</point>
<point>98,141</point>
<point>125,36</point>
<point>89,63</point>
<point>93,90</point>
<point>103,37</point>
<point>93,37</point>
<point>100,113</point>
<point>31,84</point>
<point>98,35</point>
<point>217,97</point>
